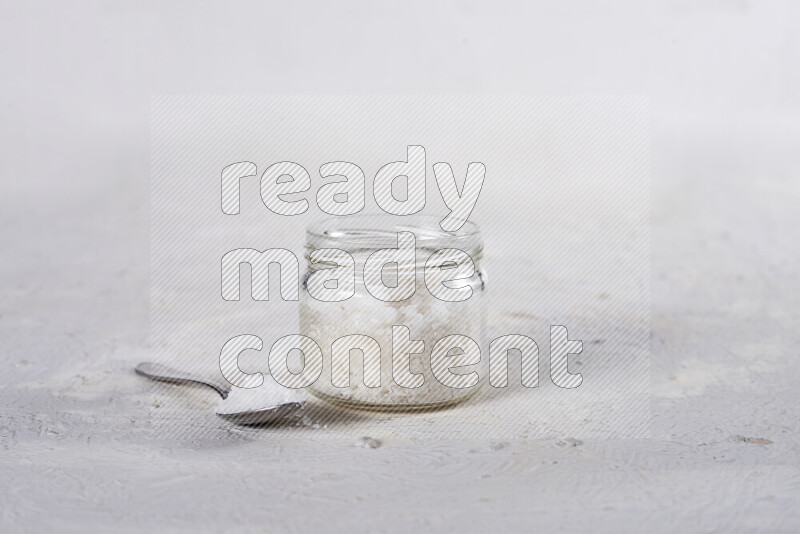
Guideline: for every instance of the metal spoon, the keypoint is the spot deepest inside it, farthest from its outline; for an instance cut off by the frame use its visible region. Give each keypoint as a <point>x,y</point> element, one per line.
<point>266,414</point>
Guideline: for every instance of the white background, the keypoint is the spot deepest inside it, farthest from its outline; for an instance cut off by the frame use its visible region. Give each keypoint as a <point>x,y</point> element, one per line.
<point>77,78</point>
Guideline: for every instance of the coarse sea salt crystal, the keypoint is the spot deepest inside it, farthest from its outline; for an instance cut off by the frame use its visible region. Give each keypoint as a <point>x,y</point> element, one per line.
<point>267,394</point>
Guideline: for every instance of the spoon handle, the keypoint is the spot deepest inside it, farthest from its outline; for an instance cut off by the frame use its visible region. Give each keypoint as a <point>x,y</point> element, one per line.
<point>163,373</point>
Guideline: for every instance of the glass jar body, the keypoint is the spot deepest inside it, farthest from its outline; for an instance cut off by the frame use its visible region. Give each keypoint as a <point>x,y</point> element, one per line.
<point>421,317</point>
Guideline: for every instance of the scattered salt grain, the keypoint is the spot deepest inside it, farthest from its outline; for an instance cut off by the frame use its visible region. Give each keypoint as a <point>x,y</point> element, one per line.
<point>368,443</point>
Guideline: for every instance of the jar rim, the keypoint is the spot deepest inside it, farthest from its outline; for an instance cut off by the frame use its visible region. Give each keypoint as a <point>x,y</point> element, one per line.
<point>367,232</point>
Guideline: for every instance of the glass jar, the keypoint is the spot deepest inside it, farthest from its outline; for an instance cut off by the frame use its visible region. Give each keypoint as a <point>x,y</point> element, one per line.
<point>381,376</point>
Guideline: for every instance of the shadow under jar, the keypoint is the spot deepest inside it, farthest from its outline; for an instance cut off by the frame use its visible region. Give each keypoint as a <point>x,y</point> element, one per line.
<point>363,373</point>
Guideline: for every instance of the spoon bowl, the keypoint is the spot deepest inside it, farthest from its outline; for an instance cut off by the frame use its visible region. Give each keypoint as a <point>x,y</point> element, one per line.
<point>260,416</point>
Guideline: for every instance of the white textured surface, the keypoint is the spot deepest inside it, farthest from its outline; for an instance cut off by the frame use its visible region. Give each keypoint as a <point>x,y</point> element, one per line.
<point>77,451</point>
